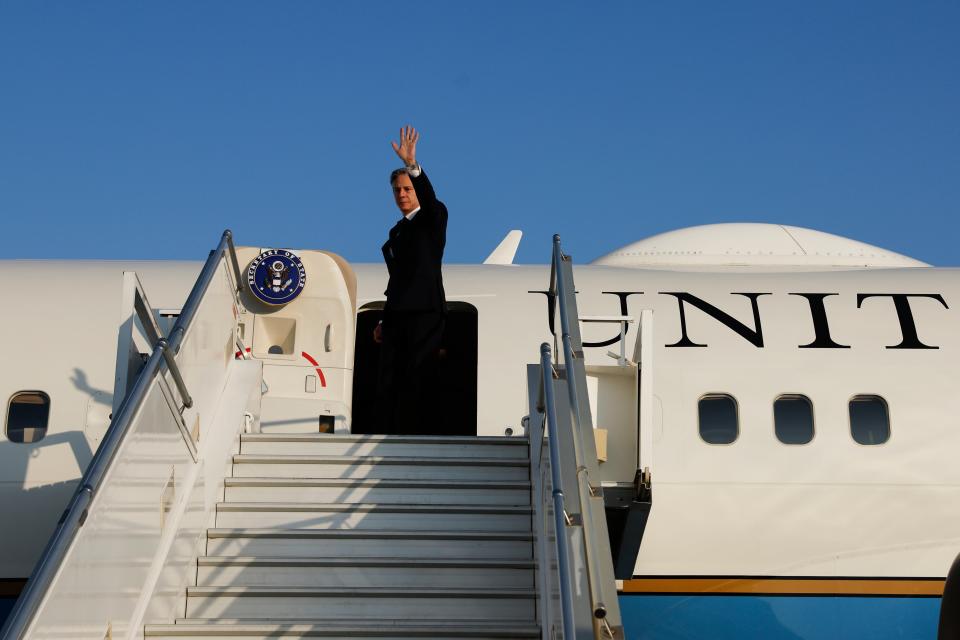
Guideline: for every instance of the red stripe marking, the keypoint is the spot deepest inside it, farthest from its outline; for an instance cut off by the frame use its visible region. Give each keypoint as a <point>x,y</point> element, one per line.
<point>323,381</point>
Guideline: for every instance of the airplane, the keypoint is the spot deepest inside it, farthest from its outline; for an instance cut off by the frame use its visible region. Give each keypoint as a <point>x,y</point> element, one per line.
<point>772,407</point>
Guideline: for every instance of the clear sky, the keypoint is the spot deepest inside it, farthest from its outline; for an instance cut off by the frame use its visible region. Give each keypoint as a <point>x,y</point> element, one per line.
<point>141,130</point>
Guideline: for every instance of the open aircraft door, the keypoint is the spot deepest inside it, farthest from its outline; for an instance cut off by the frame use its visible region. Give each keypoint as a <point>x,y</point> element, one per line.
<point>623,405</point>
<point>643,356</point>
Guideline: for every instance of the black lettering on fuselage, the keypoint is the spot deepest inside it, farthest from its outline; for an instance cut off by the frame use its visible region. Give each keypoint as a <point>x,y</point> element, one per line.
<point>821,328</point>
<point>551,305</point>
<point>908,328</point>
<point>622,295</point>
<point>754,336</point>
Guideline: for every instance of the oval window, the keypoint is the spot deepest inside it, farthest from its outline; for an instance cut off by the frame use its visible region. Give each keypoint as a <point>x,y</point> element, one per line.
<point>869,420</point>
<point>793,419</point>
<point>27,416</point>
<point>718,419</point>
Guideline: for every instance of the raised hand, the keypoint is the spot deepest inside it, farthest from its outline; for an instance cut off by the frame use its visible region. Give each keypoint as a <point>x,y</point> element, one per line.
<point>407,149</point>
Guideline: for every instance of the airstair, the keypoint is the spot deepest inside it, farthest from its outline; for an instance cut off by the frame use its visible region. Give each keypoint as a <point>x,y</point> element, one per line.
<point>376,536</point>
<point>229,499</point>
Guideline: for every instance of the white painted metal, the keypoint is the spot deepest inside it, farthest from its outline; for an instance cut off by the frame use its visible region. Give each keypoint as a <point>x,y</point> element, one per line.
<point>333,630</point>
<point>644,358</point>
<point>406,517</point>
<point>751,245</point>
<point>506,250</point>
<point>138,575</point>
<point>385,467</point>
<point>370,562</point>
<point>131,343</point>
<point>313,335</point>
<point>890,507</point>
<point>594,611</point>
<point>77,310</point>
<point>369,544</point>
<point>364,572</point>
<point>373,445</point>
<point>486,578</point>
<point>349,491</point>
<point>545,548</point>
<point>298,603</point>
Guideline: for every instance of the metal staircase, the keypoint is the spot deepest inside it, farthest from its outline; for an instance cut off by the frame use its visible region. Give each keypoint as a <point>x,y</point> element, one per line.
<point>368,536</point>
<point>324,535</point>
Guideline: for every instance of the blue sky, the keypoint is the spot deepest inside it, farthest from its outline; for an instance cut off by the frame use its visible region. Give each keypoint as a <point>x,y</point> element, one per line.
<point>141,130</point>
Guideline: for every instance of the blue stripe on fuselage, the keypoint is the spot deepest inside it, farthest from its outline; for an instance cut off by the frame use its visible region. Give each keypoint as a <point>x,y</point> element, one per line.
<point>744,617</point>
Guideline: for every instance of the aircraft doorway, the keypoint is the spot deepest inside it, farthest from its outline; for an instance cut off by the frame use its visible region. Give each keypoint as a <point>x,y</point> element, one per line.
<point>457,393</point>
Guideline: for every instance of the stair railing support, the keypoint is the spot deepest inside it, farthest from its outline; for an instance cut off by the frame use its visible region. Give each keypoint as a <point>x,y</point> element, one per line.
<point>605,621</point>
<point>573,362</point>
<point>559,508</point>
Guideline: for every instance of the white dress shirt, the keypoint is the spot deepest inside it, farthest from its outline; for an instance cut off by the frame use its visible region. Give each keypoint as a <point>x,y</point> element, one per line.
<point>413,171</point>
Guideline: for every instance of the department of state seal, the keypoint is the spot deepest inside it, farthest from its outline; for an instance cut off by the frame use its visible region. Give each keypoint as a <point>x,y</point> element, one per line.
<point>276,276</point>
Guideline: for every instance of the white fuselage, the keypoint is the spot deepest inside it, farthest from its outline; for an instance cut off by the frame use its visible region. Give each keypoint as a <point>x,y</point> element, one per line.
<point>831,507</point>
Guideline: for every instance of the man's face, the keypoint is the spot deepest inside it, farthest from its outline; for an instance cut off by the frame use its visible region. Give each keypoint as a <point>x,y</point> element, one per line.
<point>404,194</point>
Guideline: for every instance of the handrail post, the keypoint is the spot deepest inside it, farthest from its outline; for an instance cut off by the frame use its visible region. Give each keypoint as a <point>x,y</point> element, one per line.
<point>200,288</point>
<point>163,345</point>
<point>562,289</point>
<point>572,360</point>
<point>559,509</point>
<point>228,235</point>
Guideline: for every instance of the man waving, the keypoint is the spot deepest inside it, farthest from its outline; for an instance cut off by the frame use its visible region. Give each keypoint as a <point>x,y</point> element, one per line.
<point>414,315</point>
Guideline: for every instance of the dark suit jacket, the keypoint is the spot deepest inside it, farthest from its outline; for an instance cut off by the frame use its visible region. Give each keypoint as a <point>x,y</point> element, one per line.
<point>413,254</point>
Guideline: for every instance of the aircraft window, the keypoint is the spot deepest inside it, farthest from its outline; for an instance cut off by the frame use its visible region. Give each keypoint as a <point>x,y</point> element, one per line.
<point>793,419</point>
<point>27,416</point>
<point>718,419</point>
<point>869,420</point>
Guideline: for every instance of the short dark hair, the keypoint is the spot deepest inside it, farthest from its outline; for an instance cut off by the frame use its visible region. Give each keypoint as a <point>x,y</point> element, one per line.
<point>394,174</point>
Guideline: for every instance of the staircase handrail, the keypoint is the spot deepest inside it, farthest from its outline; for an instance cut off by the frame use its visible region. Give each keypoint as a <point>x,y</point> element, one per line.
<point>164,352</point>
<point>547,404</point>
<point>561,293</point>
<point>562,288</point>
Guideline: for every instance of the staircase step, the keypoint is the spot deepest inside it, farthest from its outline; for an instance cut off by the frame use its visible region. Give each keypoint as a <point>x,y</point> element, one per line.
<point>368,544</point>
<point>349,490</point>
<point>278,603</point>
<point>384,446</point>
<point>329,536</point>
<point>374,516</point>
<point>379,467</point>
<point>364,572</point>
<point>189,629</point>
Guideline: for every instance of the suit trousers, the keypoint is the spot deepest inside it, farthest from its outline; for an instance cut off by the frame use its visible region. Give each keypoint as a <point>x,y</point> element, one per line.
<point>408,397</point>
